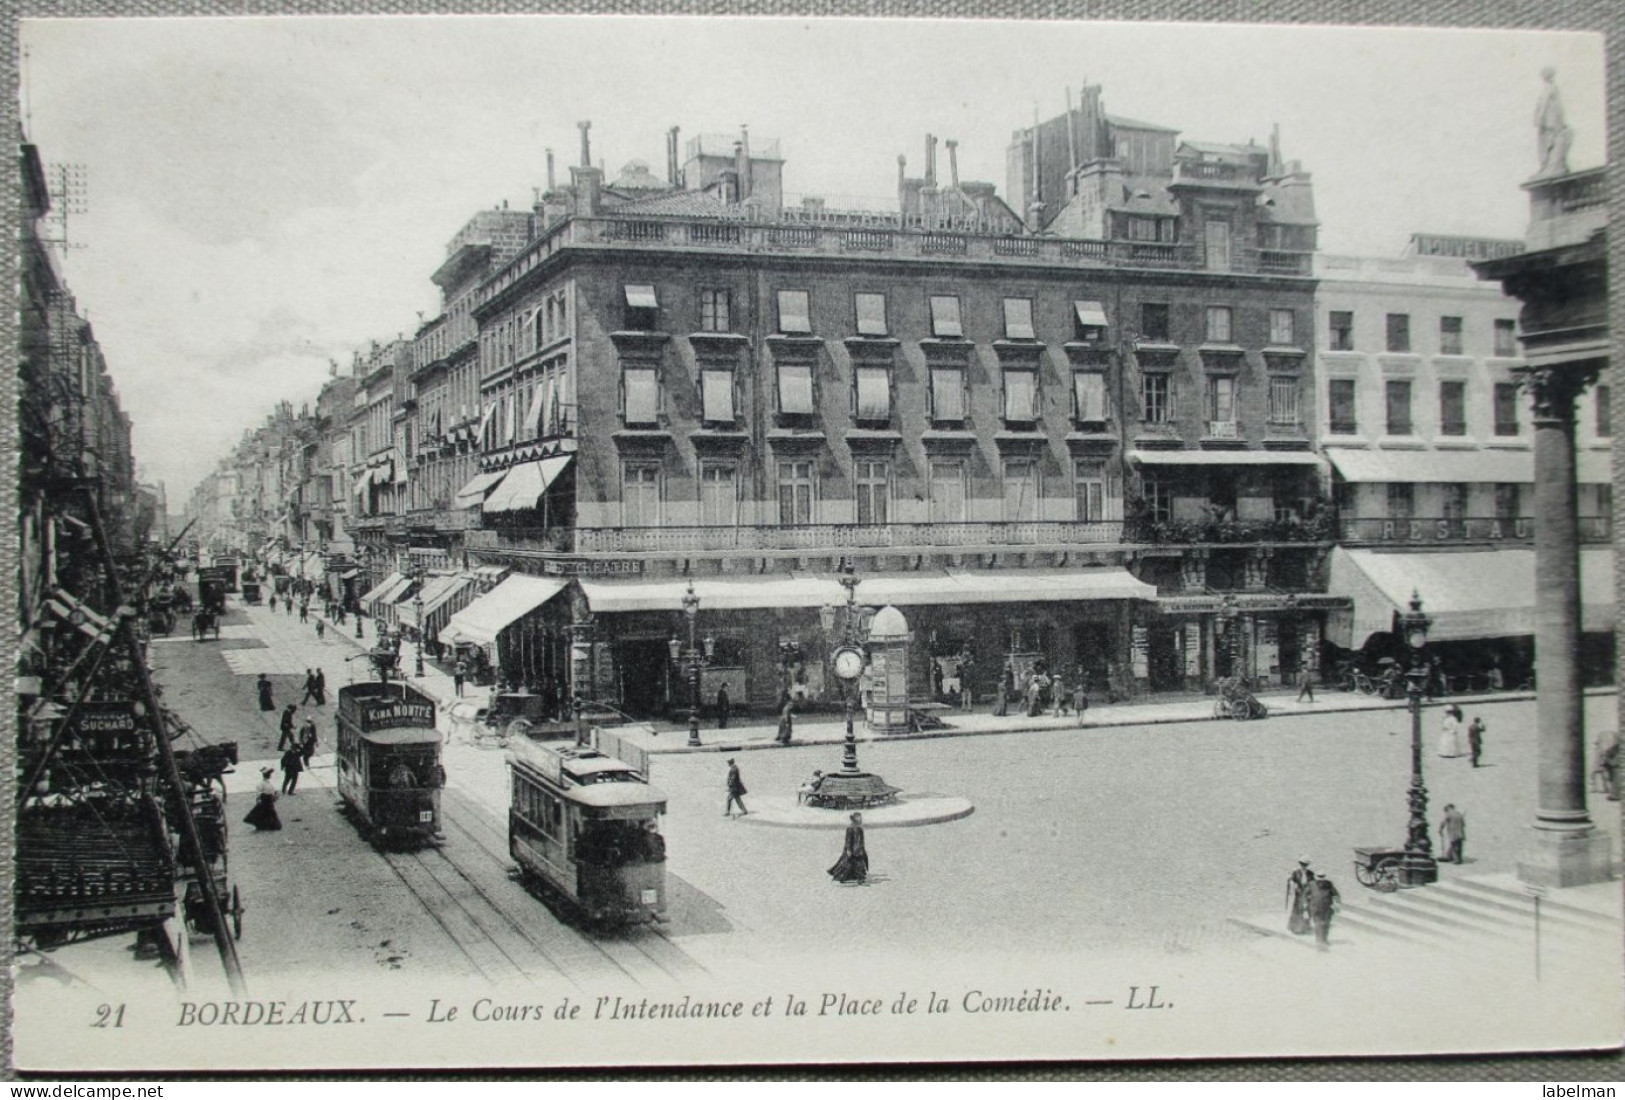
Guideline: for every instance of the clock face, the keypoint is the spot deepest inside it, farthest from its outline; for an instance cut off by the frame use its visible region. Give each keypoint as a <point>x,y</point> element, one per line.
<point>849,664</point>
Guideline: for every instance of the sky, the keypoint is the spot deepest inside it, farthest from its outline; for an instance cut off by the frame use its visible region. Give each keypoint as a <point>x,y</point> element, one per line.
<point>268,194</point>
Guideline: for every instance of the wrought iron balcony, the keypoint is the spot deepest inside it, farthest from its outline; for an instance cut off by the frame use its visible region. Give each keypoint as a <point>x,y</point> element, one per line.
<point>809,537</point>
<point>1445,530</point>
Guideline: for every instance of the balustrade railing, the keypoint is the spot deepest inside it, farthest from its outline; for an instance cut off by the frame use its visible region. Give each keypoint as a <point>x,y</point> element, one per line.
<point>811,537</point>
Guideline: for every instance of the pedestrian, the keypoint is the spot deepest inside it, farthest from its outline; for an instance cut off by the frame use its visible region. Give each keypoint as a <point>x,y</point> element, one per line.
<point>1080,699</point>
<point>736,791</point>
<point>1007,688</point>
<point>293,763</point>
<point>287,740</point>
<point>1063,698</point>
<point>307,740</point>
<point>310,687</point>
<point>853,866</point>
<point>1306,682</point>
<point>304,611</point>
<point>1450,732</point>
<point>1297,899</point>
<point>321,688</point>
<point>967,698</point>
<point>809,789</point>
<point>724,706</point>
<point>1323,902</point>
<point>1453,833</point>
<point>1475,738</point>
<point>786,722</point>
<point>321,629</point>
<point>1035,694</point>
<point>287,603</point>
<point>263,685</point>
<point>1600,777</point>
<point>263,815</point>
<point>270,601</point>
<point>458,674</point>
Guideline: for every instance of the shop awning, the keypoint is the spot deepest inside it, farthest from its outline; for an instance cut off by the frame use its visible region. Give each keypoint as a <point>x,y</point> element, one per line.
<point>1226,458</point>
<point>441,589</point>
<point>478,485</point>
<point>362,482</point>
<point>1471,594</point>
<point>525,484</point>
<point>384,588</point>
<point>313,568</point>
<point>481,621</point>
<point>715,593</point>
<point>1513,467</point>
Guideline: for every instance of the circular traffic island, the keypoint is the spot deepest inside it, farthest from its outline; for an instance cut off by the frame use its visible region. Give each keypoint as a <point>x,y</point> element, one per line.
<point>907,810</point>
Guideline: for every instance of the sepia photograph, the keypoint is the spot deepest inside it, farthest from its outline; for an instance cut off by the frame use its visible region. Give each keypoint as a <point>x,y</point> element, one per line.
<point>632,542</point>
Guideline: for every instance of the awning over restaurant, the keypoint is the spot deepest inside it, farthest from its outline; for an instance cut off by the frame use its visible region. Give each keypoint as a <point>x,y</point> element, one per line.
<point>385,589</point>
<point>439,589</point>
<point>525,484</point>
<point>1226,458</point>
<point>904,589</point>
<point>478,485</point>
<point>1513,467</point>
<point>481,621</point>
<point>1471,594</point>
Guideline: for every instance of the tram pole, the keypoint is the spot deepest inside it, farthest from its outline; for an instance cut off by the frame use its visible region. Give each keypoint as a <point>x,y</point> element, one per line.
<point>166,753</point>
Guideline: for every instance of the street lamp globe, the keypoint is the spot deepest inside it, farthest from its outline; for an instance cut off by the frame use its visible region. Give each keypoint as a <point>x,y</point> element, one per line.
<point>1415,623</point>
<point>676,648</point>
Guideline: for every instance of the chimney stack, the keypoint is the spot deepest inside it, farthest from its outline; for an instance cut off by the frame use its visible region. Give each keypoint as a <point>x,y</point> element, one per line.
<point>550,170</point>
<point>953,161</point>
<point>675,164</point>
<point>930,159</point>
<point>586,143</point>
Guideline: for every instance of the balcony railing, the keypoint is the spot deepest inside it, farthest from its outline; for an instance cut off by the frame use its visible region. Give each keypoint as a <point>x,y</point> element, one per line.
<point>811,537</point>
<point>1442,530</point>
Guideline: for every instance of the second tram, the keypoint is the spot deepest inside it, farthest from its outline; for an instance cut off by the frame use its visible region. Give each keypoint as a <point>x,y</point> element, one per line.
<point>389,768</point>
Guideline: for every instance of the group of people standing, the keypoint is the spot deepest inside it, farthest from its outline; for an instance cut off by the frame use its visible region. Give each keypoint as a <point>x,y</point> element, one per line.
<point>1034,691</point>
<point>1311,902</point>
<point>296,746</point>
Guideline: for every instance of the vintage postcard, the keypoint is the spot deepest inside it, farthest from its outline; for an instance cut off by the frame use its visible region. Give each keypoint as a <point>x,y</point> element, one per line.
<point>566,541</point>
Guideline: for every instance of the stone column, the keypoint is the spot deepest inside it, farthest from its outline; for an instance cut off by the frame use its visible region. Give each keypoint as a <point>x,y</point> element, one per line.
<point>1566,850</point>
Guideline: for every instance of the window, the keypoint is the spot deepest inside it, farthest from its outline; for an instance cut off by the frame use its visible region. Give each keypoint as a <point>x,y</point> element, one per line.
<point>1281,327</point>
<point>1218,325</point>
<point>1341,325</point>
<point>1452,408</point>
<point>1159,499</point>
<point>1221,399</point>
<point>1090,318</point>
<point>1021,395</point>
<point>1154,321</point>
<point>1604,398</point>
<point>1020,490</point>
<point>717,396</point>
<point>716,310</point>
<point>1091,492</point>
<point>1508,500</point>
<point>874,490</point>
<point>1506,338</point>
<point>642,308</point>
<point>1285,505</point>
<point>1284,401</point>
<point>1340,399</point>
<point>1018,319</point>
<point>719,494</point>
<point>1154,391</point>
<point>795,389</point>
<point>1089,396</point>
<point>873,392</point>
<point>642,396</point>
<point>1142,229</point>
<point>871,314</point>
<point>1506,408</point>
<point>795,316</point>
<point>1399,332</point>
<point>1453,497</point>
<point>796,492</point>
<point>948,393</point>
<point>640,495</point>
<point>1401,500</point>
<point>947,492</point>
<point>945,316</point>
<point>1449,335</point>
<point>1398,394</point>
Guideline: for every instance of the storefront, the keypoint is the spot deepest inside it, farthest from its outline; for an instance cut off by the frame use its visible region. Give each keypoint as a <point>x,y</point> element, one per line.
<point>1187,642</point>
<point>517,634</point>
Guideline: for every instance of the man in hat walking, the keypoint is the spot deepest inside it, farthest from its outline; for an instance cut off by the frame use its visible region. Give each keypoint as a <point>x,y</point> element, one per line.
<point>1453,833</point>
<point>736,791</point>
<point>1323,901</point>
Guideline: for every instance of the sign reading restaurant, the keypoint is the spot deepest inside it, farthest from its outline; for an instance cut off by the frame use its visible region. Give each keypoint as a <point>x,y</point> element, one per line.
<point>1411,531</point>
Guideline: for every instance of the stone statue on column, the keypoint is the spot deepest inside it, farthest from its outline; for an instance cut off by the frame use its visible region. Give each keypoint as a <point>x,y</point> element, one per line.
<point>1553,133</point>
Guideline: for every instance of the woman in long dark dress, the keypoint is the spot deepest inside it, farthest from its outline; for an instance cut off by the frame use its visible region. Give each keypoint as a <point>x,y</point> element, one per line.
<point>853,866</point>
<point>264,816</point>
<point>264,686</point>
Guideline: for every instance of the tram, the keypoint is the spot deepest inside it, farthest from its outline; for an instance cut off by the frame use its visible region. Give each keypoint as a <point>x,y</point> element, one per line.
<point>584,829</point>
<point>389,762</point>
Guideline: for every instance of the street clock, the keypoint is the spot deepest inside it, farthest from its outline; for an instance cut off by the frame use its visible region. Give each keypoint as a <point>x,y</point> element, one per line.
<point>849,662</point>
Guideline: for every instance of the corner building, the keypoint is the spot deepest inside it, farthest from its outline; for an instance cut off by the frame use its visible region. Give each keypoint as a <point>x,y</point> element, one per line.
<point>1086,448</point>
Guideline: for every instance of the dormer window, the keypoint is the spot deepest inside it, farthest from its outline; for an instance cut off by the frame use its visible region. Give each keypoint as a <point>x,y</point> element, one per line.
<point>642,308</point>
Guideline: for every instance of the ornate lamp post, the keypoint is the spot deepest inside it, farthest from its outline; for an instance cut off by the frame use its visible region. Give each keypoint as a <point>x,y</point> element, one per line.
<point>1418,867</point>
<point>417,606</point>
<point>581,667</point>
<point>1232,635</point>
<point>690,661</point>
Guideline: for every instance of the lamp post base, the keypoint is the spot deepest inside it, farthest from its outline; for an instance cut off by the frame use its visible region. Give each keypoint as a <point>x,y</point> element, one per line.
<point>1418,869</point>
<point>694,730</point>
<point>1560,858</point>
